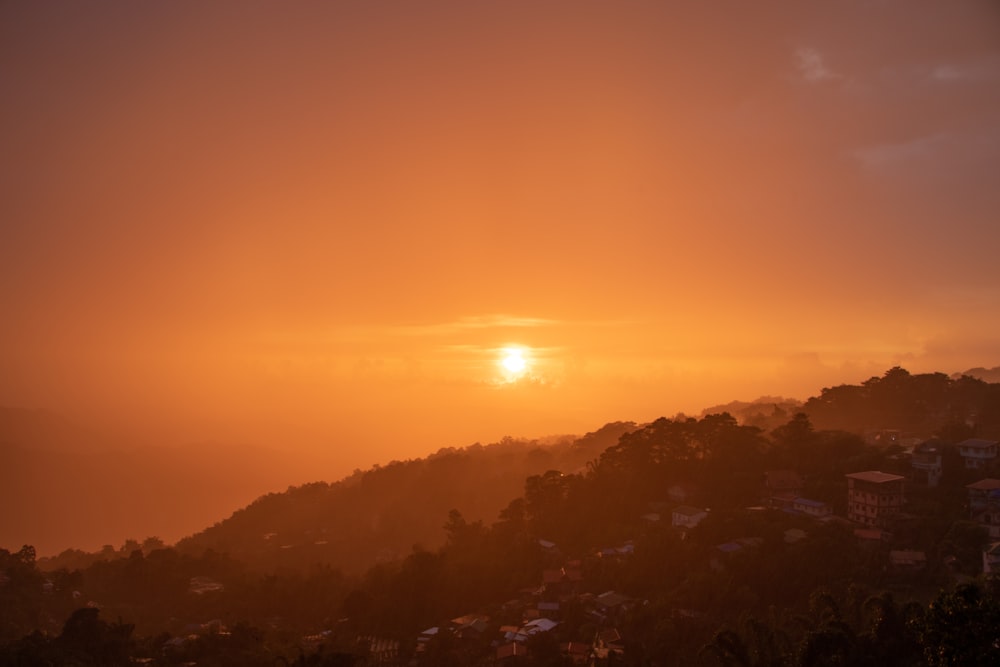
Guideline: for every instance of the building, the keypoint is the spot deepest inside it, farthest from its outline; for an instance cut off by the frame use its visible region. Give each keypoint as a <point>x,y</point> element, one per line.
<point>978,453</point>
<point>981,493</point>
<point>814,508</point>
<point>991,558</point>
<point>926,462</point>
<point>874,497</point>
<point>687,517</point>
<point>781,488</point>
<point>907,561</point>
<point>984,505</point>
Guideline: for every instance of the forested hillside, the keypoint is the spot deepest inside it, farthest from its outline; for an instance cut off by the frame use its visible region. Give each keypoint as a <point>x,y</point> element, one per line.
<point>665,548</point>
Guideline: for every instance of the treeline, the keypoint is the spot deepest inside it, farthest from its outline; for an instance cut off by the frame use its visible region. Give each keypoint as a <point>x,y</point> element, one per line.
<point>911,403</point>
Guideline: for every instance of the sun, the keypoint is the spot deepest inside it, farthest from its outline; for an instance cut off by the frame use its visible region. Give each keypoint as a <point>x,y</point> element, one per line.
<point>514,361</point>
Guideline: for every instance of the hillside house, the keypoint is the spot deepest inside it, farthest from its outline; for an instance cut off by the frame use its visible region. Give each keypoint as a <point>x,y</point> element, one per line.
<point>926,462</point>
<point>612,604</point>
<point>781,488</point>
<point>984,505</point>
<point>686,516</point>
<point>978,453</point>
<point>991,558</point>
<point>905,561</point>
<point>981,493</point>
<point>813,508</point>
<point>874,497</point>
<point>511,653</point>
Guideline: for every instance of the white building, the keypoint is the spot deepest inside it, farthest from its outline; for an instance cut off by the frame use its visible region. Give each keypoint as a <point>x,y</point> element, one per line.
<point>978,453</point>
<point>926,462</point>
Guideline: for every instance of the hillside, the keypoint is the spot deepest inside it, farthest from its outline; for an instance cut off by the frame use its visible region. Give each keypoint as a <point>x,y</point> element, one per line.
<point>594,563</point>
<point>382,513</point>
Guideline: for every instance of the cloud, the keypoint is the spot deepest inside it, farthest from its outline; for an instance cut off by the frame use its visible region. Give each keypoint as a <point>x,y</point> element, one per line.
<point>812,66</point>
<point>889,154</point>
<point>979,69</point>
<point>475,322</point>
<point>957,162</point>
<point>950,73</point>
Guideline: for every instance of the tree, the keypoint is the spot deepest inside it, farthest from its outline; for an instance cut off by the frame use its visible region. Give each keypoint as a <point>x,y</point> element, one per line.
<point>152,544</point>
<point>961,628</point>
<point>88,640</point>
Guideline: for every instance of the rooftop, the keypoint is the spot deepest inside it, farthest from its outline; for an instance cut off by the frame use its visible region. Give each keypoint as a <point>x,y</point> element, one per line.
<point>987,484</point>
<point>905,557</point>
<point>978,443</point>
<point>874,476</point>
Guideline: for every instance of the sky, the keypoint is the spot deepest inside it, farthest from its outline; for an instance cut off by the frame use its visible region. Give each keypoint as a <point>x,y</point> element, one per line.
<point>316,226</point>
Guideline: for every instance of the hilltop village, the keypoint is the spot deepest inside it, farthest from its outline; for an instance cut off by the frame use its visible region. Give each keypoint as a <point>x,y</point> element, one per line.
<point>861,527</point>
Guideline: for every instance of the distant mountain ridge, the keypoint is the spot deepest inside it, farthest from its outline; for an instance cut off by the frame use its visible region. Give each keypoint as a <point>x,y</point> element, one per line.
<point>766,412</point>
<point>980,373</point>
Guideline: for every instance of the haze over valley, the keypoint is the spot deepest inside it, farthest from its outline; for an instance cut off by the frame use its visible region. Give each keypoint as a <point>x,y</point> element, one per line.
<point>349,332</point>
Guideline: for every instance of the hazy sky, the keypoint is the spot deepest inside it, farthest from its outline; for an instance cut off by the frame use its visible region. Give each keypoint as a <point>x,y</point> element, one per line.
<point>316,224</point>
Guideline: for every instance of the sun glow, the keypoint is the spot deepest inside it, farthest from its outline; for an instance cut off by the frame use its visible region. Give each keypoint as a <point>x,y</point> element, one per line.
<point>513,361</point>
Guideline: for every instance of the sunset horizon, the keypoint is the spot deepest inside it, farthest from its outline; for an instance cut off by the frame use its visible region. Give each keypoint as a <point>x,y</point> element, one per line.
<point>346,234</point>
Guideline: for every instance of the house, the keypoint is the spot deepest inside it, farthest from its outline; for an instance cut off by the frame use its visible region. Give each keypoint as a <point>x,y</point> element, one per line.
<point>203,585</point>
<point>926,462</point>
<point>984,505</point>
<point>874,497</point>
<point>726,549</point>
<point>611,604</point>
<point>907,561</point>
<point>470,625</point>
<point>428,634</point>
<point>686,516</point>
<point>814,508</point>
<point>549,609</point>
<point>990,520</point>
<point>991,558</point>
<point>872,536</point>
<point>380,651</point>
<point>980,494</point>
<point>781,488</point>
<point>609,642</point>
<point>534,627</point>
<point>578,652</point>
<point>509,653</point>
<point>978,453</point>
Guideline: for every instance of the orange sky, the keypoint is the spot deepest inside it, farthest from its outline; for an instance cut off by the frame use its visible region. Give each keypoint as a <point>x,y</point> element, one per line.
<point>313,225</point>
